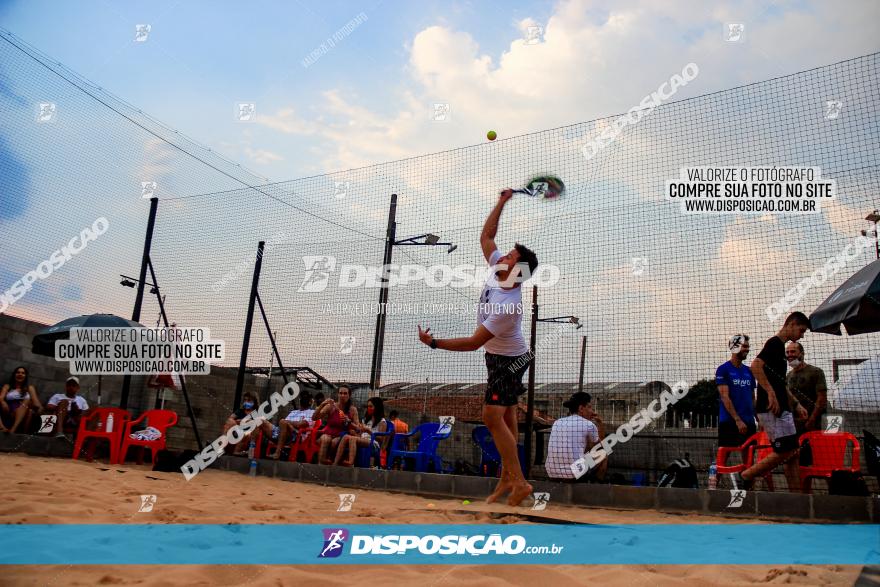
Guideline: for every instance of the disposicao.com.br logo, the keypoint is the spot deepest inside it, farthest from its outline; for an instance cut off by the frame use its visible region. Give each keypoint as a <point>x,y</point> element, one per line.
<point>320,268</point>
<point>453,544</point>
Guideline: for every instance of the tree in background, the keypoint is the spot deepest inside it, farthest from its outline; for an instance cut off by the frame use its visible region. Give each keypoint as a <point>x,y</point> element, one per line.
<point>701,399</point>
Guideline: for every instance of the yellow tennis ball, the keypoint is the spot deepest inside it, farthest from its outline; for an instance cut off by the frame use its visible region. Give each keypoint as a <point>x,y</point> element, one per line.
<point>491,135</point>
<point>466,502</point>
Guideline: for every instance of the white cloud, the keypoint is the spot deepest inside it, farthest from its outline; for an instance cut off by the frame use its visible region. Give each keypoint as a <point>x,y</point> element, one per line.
<point>586,67</point>
<point>262,156</point>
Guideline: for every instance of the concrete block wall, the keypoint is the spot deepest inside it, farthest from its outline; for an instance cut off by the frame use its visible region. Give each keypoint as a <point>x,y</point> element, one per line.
<point>757,505</point>
<point>211,395</point>
<point>49,375</point>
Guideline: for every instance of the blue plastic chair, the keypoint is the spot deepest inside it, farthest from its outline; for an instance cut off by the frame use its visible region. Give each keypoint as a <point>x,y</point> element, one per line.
<point>425,453</point>
<point>365,454</point>
<point>490,461</point>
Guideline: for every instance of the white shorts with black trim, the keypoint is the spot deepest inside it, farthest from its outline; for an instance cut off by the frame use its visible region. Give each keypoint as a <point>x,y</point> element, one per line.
<point>781,430</point>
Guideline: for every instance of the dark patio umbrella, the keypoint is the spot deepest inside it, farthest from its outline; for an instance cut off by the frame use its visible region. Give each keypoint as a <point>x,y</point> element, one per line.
<point>855,304</point>
<point>44,341</point>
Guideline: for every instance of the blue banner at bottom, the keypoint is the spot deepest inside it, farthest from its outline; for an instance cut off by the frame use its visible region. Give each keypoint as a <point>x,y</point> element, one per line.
<point>184,544</point>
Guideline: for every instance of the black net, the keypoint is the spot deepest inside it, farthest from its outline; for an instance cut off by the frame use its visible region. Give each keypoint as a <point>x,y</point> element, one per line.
<point>657,293</point>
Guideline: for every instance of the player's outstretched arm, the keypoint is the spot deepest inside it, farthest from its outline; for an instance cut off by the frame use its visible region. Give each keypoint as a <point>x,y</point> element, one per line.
<point>490,228</point>
<point>471,343</point>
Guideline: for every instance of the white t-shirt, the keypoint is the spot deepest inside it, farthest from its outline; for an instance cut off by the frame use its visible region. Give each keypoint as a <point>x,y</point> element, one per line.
<point>500,311</point>
<point>300,415</point>
<point>568,442</point>
<point>59,397</point>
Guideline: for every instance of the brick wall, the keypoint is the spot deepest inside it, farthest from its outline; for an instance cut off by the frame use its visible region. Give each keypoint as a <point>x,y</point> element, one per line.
<point>211,395</point>
<point>49,375</point>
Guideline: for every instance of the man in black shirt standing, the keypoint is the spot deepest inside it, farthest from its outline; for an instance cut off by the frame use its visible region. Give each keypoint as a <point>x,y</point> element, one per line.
<point>773,408</point>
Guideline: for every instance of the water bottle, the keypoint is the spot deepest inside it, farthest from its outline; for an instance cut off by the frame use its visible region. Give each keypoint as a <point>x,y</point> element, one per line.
<point>109,423</point>
<point>252,447</point>
<point>713,476</point>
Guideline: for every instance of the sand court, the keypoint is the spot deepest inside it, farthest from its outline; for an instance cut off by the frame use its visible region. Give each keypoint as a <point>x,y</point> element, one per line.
<point>60,491</point>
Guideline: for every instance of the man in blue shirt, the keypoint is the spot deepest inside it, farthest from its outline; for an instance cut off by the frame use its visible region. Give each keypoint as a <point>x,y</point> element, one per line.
<point>736,388</point>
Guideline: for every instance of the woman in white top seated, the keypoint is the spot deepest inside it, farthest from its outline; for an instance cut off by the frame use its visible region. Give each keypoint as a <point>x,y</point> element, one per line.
<point>374,421</point>
<point>17,400</point>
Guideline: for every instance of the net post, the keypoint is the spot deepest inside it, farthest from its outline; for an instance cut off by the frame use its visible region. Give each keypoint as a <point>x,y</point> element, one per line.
<point>139,297</point>
<point>530,402</point>
<point>249,322</point>
<point>189,410</point>
<point>379,338</point>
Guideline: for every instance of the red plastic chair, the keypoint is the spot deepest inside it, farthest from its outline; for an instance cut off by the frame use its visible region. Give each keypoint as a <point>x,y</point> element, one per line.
<point>88,428</point>
<point>272,445</point>
<point>829,455</point>
<point>292,444</point>
<point>309,446</point>
<point>300,437</point>
<point>746,451</point>
<point>757,445</point>
<point>161,420</point>
<point>763,449</point>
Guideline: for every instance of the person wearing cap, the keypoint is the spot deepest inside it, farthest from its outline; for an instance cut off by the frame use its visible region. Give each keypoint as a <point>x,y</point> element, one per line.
<point>736,391</point>
<point>573,436</point>
<point>69,407</point>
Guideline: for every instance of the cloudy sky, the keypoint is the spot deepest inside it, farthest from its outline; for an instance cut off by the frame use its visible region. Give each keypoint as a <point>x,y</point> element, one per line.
<point>370,97</point>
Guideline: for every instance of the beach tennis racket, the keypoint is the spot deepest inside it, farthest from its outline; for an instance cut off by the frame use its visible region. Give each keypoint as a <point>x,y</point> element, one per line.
<point>546,187</point>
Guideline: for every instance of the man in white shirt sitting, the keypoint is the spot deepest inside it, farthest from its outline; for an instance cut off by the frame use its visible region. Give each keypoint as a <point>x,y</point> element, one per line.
<point>291,425</point>
<point>69,407</point>
<point>573,436</point>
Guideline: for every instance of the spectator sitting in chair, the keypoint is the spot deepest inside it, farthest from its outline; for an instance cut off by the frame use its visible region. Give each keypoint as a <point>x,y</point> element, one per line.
<point>374,422</point>
<point>291,425</point>
<point>400,427</point>
<point>573,436</point>
<point>18,401</point>
<point>69,407</point>
<point>248,405</point>
<point>338,417</point>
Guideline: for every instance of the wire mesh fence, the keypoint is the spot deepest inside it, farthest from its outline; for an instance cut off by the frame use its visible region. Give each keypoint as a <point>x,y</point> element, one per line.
<point>657,293</point>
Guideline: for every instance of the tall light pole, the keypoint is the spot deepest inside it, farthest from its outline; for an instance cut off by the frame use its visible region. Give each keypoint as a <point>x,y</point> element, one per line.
<point>424,240</point>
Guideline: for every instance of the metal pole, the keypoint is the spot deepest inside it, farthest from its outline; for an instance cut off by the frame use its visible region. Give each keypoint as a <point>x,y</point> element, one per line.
<point>275,352</point>
<point>139,298</point>
<point>379,338</point>
<point>271,358</point>
<point>530,403</point>
<point>249,321</point>
<point>189,410</point>
<point>876,241</point>
<point>583,356</point>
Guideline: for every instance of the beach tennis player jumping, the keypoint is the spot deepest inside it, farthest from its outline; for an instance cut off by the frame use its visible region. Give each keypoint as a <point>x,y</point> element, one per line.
<point>499,332</point>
